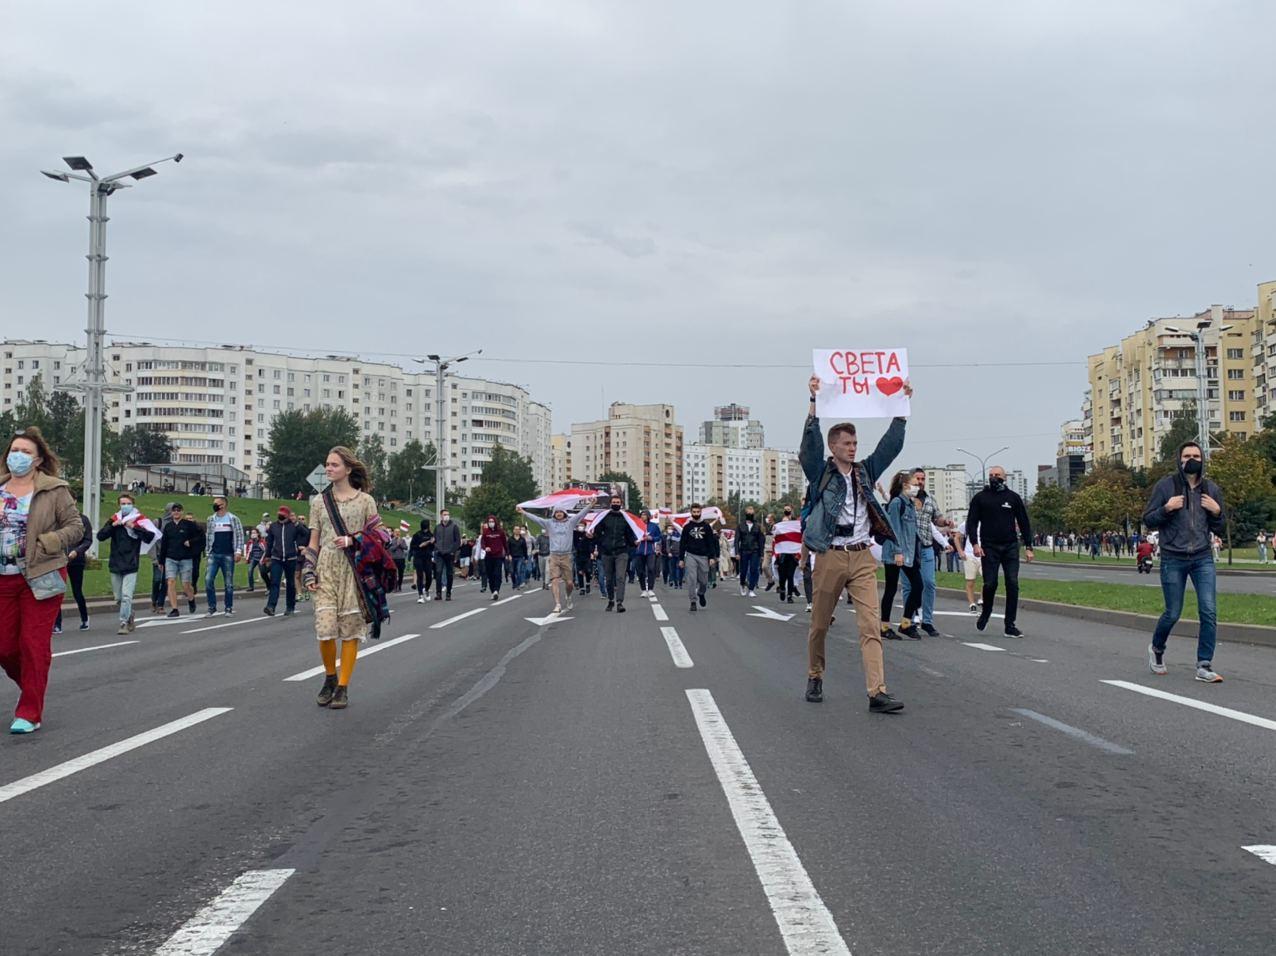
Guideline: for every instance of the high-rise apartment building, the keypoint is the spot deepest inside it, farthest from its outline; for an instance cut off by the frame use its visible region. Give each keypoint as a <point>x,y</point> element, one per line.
<point>948,485</point>
<point>1073,452</point>
<point>731,427</point>
<point>718,472</point>
<point>1264,353</point>
<point>216,404</point>
<point>643,441</point>
<point>1140,386</point>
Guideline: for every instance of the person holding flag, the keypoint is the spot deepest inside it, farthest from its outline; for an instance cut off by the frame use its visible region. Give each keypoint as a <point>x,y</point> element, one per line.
<point>615,537</point>
<point>561,528</point>
<point>131,534</point>
<point>786,546</point>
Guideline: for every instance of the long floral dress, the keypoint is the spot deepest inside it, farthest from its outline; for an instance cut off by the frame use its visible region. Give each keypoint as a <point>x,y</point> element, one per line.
<point>337,612</point>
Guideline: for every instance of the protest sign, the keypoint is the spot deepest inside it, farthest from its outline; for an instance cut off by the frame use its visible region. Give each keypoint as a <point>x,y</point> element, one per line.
<point>861,383</point>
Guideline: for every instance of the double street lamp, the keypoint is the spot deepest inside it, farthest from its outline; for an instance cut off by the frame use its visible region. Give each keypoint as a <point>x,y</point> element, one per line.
<point>95,385</point>
<point>1202,385</point>
<point>983,462</point>
<point>441,365</point>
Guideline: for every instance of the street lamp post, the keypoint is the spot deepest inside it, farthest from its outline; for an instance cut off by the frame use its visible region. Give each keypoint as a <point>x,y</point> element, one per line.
<point>95,385</point>
<point>1202,384</point>
<point>441,365</point>
<point>983,469</point>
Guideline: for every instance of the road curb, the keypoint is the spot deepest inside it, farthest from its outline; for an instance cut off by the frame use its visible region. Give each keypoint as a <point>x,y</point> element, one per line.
<point>1127,568</point>
<point>1236,633</point>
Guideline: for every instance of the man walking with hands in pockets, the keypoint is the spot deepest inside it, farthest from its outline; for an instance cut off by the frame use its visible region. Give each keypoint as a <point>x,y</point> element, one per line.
<point>843,521</point>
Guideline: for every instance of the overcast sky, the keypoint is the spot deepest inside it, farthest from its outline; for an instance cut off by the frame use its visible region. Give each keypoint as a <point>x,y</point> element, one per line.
<point>718,182</point>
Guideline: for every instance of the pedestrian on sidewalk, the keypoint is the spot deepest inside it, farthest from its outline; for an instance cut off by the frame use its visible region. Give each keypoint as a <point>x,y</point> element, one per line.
<point>329,573</point>
<point>698,551</point>
<point>495,544</point>
<point>39,523</point>
<point>421,547</point>
<point>1263,538</point>
<point>996,513</point>
<point>129,532</point>
<point>224,534</point>
<point>179,541</point>
<point>447,546</point>
<point>843,521</point>
<point>750,541</point>
<point>1187,509</point>
<point>903,555</point>
<point>560,529</point>
<point>614,538</point>
<point>75,561</point>
<point>647,554</point>
<point>285,540</point>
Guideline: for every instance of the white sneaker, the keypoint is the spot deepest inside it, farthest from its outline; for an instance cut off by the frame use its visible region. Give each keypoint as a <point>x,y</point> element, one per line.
<point>1156,668</point>
<point>1205,673</point>
<point>808,607</point>
<point>420,600</point>
<point>210,614</point>
<point>570,605</point>
<point>753,594</point>
<point>428,597</point>
<point>974,608</point>
<point>558,609</point>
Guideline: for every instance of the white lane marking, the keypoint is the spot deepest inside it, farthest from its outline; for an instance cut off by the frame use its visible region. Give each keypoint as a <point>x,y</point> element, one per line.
<point>167,621</point>
<point>205,932</point>
<point>264,619</point>
<point>983,647</point>
<point>459,617</point>
<point>660,613</point>
<point>1264,852</point>
<point>1197,704</point>
<point>676,649</point>
<point>76,764</point>
<point>969,614</point>
<point>805,923</point>
<point>926,670</point>
<point>550,618</point>
<point>767,614</point>
<point>363,652</point>
<point>1038,660</point>
<point>99,647</point>
<point>1077,732</point>
<point>512,597</point>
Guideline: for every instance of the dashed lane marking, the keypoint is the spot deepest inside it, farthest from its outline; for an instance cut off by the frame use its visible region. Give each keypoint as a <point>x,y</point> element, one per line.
<point>363,652</point>
<point>1083,735</point>
<point>1195,704</point>
<point>676,649</point>
<point>983,647</point>
<point>459,617</point>
<point>660,613</point>
<point>99,647</point>
<point>206,932</point>
<point>1263,851</point>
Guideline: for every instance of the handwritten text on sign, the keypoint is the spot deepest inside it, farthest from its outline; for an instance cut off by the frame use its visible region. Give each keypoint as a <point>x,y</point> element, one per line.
<point>861,383</point>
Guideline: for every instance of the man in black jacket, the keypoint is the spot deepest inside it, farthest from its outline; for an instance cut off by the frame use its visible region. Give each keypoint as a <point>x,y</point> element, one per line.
<point>697,549</point>
<point>615,537</point>
<point>750,542</point>
<point>127,535</point>
<point>447,545</point>
<point>75,561</point>
<point>181,539</point>
<point>995,512</point>
<point>284,540</point>
<point>1186,508</point>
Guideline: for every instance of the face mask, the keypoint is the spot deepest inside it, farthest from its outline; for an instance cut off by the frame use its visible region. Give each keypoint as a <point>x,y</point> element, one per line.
<point>911,491</point>
<point>749,515</point>
<point>19,463</point>
<point>788,514</point>
<point>1193,466</point>
<point>282,517</point>
<point>127,510</point>
<point>219,507</point>
<point>615,507</point>
<point>996,483</point>
<point>445,519</point>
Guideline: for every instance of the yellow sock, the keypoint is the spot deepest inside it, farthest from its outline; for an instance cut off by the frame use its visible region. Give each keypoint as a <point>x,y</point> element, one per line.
<point>349,653</point>
<point>328,651</point>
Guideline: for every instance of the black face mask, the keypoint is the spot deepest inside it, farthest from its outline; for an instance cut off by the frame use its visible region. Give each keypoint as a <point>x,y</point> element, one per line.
<point>996,483</point>
<point>1193,466</point>
<point>615,507</point>
<point>749,515</point>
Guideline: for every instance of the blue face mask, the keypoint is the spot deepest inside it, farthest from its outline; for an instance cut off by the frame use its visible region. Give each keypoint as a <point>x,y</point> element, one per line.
<point>19,463</point>
<point>127,510</point>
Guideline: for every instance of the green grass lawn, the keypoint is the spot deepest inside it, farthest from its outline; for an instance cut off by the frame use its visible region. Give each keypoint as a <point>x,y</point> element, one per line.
<point>97,580</point>
<point>1239,555</point>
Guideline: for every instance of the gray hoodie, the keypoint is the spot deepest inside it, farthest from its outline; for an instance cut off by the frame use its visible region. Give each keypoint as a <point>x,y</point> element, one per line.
<point>560,532</point>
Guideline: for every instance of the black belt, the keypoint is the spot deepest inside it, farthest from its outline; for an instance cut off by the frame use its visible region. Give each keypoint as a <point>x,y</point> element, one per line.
<point>849,547</point>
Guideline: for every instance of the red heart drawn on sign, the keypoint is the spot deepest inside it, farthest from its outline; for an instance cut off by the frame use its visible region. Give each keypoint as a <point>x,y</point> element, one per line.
<point>889,386</point>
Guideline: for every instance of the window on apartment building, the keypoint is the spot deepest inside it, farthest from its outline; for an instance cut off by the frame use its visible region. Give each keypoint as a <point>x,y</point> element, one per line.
<point>261,389</point>
<point>1235,353</point>
<point>1236,395</point>
<point>291,391</point>
<point>58,365</point>
<point>278,374</point>
<point>22,363</point>
<point>1236,416</point>
<point>1235,374</point>
<point>276,403</point>
<point>19,379</point>
<point>35,363</point>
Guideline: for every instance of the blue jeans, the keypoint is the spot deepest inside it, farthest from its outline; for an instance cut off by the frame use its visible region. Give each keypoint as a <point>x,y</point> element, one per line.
<point>1174,574</point>
<point>226,564</point>
<point>516,572</point>
<point>750,567</point>
<point>928,583</point>
<point>285,571</point>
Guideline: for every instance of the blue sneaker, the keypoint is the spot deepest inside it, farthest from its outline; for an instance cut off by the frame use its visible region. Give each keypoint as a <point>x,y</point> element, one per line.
<point>22,726</point>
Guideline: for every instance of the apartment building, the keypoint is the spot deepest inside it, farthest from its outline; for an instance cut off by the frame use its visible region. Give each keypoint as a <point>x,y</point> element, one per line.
<point>732,427</point>
<point>1073,452</point>
<point>1140,386</point>
<point>948,485</point>
<point>643,441</point>
<point>216,404</point>
<point>1264,353</point>
<point>719,471</point>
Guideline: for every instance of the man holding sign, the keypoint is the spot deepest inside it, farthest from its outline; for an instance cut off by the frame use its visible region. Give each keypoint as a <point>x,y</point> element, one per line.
<point>844,517</point>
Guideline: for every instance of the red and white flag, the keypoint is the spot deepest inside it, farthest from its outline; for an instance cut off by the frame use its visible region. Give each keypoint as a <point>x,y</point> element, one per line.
<point>788,537</point>
<point>404,526</point>
<point>639,526</point>
<point>138,520</point>
<point>707,513</point>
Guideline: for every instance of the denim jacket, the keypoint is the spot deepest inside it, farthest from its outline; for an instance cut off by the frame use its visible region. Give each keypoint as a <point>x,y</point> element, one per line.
<point>902,515</point>
<point>821,520</point>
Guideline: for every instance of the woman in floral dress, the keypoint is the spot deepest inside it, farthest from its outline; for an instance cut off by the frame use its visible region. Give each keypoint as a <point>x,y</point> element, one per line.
<point>339,612</point>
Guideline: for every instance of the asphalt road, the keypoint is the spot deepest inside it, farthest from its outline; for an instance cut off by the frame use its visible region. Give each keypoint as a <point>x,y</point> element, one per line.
<point>1108,574</point>
<point>498,786</point>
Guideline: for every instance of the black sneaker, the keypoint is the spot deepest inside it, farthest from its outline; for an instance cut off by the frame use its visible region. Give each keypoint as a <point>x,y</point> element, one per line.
<point>930,630</point>
<point>814,690</point>
<point>1013,631</point>
<point>620,609</point>
<point>983,619</point>
<point>693,607</point>
<point>449,596</point>
<point>340,698</point>
<point>889,634</point>
<point>611,606</point>
<point>191,605</point>
<point>329,688</point>
<point>174,613</point>
<point>701,599</point>
<point>268,611</point>
<point>290,612</point>
<point>884,703</point>
<point>910,631</point>
<point>770,585</point>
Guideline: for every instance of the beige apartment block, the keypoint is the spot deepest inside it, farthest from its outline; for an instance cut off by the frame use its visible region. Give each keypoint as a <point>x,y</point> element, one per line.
<point>644,441</point>
<point>720,471</point>
<point>1264,352</point>
<point>1140,386</point>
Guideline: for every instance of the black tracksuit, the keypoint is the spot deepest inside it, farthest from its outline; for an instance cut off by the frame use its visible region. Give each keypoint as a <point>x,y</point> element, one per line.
<point>991,524</point>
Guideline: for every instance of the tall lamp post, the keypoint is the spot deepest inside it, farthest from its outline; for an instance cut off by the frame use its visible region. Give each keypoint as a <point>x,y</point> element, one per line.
<point>983,462</point>
<point>441,365</point>
<point>1202,385</point>
<point>95,385</point>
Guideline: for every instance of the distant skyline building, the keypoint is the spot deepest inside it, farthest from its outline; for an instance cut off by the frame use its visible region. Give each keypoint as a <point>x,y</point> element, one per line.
<point>732,427</point>
<point>643,441</point>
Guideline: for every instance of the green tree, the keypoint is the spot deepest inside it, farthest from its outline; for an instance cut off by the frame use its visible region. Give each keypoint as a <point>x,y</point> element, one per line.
<point>1106,500</point>
<point>488,500</point>
<point>1242,471</point>
<point>33,409</point>
<point>373,454</point>
<point>793,499</point>
<point>511,471</point>
<point>636,504</point>
<point>1181,430</point>
<point>299,441</point>
<point>1047,509</point>
<point>145,446</point>
<point>407,477</point>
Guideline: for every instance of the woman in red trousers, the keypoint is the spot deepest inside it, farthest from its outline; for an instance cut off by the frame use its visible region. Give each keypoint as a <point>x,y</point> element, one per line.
<point>39,523</point>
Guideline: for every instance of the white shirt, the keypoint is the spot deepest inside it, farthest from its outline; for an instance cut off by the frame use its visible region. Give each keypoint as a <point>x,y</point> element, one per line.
<point>854,512</point>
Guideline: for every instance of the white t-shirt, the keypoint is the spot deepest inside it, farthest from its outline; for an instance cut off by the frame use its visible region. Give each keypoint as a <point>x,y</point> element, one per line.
<point>853,513</point>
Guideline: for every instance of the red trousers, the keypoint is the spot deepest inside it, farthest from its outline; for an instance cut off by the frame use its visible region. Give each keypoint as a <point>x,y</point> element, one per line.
<point>26,642</point>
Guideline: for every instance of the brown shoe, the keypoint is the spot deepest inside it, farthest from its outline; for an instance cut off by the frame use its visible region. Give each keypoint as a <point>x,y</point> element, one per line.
<point>329,688</point>
<point>340,700</point>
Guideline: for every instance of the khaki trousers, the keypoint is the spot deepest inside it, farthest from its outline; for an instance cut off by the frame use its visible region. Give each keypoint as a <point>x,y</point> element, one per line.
<point>835,573</point>
<point>560,569</point>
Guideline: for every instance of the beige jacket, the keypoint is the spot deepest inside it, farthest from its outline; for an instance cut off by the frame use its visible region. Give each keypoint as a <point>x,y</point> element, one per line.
<point>53,525</point>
